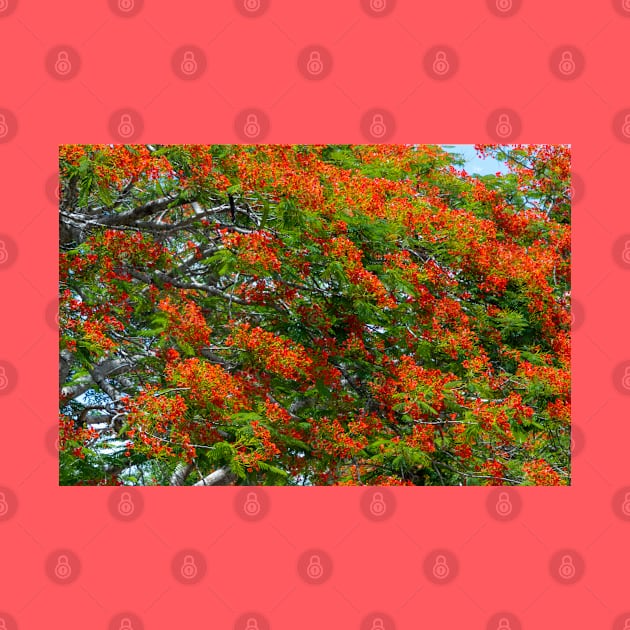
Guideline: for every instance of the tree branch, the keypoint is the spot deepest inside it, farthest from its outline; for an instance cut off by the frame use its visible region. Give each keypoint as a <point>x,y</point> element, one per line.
<point>221,477</point>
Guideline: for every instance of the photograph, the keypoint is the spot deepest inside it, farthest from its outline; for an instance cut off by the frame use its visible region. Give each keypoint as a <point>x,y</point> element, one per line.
<point>315,315</point>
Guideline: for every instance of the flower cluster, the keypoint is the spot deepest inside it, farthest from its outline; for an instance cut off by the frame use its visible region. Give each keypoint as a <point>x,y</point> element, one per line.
<point>271,352</point>
<point>74,438</point>
<point>342,248</point>
<point>156,422</point>
<point>260,448</point>
<point>257,250</point>
<point>540,473</point>
<point>333,440</point>
<point>209,386</point>
<point>186,322</point>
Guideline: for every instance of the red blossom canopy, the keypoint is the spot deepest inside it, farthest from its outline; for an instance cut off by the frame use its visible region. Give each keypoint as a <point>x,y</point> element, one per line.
<point>328,314</point>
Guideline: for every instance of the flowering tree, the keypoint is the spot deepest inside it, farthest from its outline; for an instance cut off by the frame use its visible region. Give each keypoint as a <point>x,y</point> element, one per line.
<point>296,315</point>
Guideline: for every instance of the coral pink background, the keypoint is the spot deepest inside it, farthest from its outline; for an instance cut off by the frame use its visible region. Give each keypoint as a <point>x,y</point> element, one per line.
<point>502,56</point>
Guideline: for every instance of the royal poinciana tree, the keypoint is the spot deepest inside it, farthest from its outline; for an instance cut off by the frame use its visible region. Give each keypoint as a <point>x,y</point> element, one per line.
<point>308,315</point>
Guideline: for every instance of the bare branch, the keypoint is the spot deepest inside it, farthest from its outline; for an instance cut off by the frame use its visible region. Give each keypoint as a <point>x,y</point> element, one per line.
<point>221,477</point>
